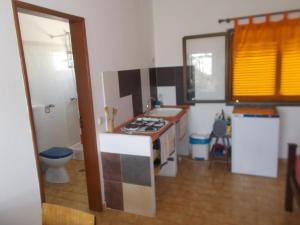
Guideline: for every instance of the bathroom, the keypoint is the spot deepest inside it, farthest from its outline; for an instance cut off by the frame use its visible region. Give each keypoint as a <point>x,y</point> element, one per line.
<point>52,83</point>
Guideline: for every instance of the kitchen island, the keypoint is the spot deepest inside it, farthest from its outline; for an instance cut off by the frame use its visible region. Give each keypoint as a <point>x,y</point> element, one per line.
<point>128,163</point>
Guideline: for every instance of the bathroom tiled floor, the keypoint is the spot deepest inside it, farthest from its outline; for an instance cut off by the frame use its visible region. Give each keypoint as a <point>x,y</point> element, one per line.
<point>73,194</point>
<point>201,196</point>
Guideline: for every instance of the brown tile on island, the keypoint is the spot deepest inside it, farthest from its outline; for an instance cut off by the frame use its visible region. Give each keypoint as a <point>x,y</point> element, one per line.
<point>111,164</point>
<point>114,194</point>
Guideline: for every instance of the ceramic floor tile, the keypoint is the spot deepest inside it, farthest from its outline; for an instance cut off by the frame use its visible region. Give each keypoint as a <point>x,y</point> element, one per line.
<point>72,194</point>
<point>197,196</point>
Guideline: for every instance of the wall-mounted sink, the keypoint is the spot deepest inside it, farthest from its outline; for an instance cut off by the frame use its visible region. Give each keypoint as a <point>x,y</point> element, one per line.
<point>164,112</point>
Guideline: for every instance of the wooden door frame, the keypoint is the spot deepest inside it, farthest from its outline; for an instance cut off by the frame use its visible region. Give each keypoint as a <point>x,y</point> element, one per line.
<point>84,90</point>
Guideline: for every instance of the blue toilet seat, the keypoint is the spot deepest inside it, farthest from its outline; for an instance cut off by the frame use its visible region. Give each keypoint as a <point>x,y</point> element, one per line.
<point>56,153</point>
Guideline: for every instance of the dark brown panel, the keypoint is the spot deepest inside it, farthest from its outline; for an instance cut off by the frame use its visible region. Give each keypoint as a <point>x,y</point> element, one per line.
<point>111,164</point>
<point>130,84</point>
<point>190,85</point>
<point>166,76</point>
<point>179,85</point>
<point>153,83</point>
<point>114,194</point>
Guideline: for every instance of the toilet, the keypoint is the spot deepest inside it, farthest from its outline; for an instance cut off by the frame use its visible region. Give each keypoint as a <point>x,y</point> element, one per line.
<point>56,158</point>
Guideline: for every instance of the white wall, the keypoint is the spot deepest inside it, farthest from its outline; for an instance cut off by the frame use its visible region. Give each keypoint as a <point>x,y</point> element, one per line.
<point>52,85</point>
<point>174,19</point>
<point>51,81</point>
<point>119,37</point>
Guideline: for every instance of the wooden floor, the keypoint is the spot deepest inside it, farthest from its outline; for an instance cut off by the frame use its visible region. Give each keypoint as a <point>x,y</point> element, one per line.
<point>197,196</point>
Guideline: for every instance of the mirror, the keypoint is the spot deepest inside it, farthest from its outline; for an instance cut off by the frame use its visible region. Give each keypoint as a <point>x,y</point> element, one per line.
<point>204,67</point>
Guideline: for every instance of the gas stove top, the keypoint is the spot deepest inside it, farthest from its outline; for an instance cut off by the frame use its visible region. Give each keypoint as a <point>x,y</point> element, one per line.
<point>144,125</point>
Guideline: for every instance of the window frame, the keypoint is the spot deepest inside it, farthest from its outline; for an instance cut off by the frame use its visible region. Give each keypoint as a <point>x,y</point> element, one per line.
<point>276,100</point>
<point>226,72</point>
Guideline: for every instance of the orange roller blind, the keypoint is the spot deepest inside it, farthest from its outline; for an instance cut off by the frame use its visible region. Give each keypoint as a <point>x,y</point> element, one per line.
<point>254,71</point>
<point>290,70</point>
<point>266,60</point>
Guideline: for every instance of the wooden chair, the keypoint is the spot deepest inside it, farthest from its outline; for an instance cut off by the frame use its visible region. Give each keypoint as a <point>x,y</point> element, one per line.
<point>60,215</point>
<point>292,187</point>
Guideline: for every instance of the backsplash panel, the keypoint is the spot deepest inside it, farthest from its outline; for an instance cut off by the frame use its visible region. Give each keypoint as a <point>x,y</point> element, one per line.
<point>130,84</point>
<point>167,77</point>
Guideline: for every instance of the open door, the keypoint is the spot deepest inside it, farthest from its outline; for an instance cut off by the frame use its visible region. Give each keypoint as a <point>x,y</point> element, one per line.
<point>84,90</point>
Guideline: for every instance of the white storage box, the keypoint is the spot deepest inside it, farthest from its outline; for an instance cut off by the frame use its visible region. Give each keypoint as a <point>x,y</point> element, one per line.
<point>200,145</point>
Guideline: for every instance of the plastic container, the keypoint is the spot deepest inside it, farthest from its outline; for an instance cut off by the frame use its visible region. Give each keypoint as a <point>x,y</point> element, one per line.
<point>200,145</point>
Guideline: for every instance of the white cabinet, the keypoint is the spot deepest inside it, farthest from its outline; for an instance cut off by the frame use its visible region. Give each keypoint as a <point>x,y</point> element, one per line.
<point>168,153</point>
<point>255,143</point>
<point>182,136</point>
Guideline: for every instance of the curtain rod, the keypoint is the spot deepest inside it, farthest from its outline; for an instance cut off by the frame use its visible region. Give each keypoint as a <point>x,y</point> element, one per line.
<point>228,20</point>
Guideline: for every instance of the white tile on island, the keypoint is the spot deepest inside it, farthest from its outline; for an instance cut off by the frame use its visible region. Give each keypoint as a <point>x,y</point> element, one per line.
<point>138,145</point>
<point>167,94</point>
<point>145,84</point>
<point>124,107</point>
<point>139,199</point>
<point>110,86</point>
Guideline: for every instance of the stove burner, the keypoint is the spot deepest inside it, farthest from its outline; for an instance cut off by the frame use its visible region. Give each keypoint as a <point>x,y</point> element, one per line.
<point>144,125</point>
<point>159,124</point>
<point>131,126</point>
<point>150,129</point>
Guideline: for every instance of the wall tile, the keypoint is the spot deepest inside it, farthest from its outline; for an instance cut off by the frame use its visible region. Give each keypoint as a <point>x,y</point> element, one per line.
<point>136,169</point>
<point>125,109</point>
<point>145,84</point>
<point>130,84</point>
<point>167,94</point>
<point>139,199</point>
<point>153,82</point>
<point>114,194</point>
<point>179,85</point>
<point>110,86</point>
<point>111,164</point>
<point>166,76</point>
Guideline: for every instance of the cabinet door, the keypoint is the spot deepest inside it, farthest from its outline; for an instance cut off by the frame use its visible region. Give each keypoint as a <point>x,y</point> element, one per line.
<point>172,139</point>
<point>167,144</point>
<point>164,147</point>
<point>183,126</point>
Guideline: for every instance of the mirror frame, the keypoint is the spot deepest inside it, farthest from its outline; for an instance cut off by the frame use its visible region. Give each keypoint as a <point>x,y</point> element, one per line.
<point>226,35</point>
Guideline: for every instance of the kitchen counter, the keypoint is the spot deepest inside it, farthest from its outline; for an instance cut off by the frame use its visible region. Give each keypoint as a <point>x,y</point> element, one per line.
<point>155,135</point>
<point>256,111</point>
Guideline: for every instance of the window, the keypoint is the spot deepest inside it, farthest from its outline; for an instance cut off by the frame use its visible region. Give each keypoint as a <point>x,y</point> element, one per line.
<point>266,62</point>
<point>204,58</point>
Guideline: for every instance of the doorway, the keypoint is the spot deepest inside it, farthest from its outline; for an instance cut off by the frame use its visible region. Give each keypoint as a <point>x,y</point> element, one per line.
<point>60,94</point>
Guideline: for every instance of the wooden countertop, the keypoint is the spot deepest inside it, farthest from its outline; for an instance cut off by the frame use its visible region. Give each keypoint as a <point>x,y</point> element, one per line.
<point>264,111</point>
<point>155,135</point>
